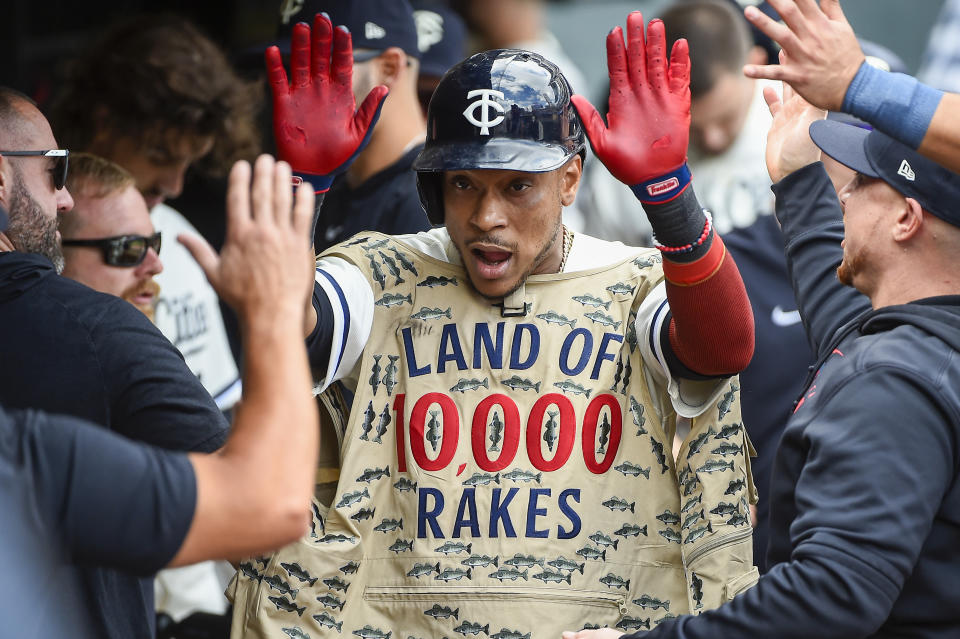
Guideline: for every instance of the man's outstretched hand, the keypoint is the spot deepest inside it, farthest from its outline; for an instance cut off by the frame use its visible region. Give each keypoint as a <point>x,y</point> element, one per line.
<point>789,147</point>
<point>317,128</point>
<point>823,54</point>
<point>649,118</point>
<point>265,269</point>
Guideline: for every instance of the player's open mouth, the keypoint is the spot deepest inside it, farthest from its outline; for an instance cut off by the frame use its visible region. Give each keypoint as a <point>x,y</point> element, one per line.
<point>491,262</point>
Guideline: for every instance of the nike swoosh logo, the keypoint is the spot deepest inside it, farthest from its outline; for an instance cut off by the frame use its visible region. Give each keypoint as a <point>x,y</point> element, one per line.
<point>781,317</point>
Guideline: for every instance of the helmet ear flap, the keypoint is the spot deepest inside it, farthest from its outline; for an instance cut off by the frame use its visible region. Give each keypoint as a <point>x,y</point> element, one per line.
<point>430,188</point>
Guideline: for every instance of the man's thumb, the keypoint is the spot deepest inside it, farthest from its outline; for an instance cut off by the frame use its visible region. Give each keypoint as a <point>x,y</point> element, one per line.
<point>204,254</point>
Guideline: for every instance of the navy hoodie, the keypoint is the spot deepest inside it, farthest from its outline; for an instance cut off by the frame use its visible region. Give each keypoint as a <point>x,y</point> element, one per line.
<point>865,506</point>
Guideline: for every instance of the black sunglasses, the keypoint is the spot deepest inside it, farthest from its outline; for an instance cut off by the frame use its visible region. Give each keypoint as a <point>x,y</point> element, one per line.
<point>123,250</point>
<point>61,160</point>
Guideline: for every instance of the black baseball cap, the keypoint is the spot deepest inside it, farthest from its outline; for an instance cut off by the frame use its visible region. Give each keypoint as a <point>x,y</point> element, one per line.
<point>4,220</point>
<point>373,24</point>
<point>441,36</point>
<point>876,155</point>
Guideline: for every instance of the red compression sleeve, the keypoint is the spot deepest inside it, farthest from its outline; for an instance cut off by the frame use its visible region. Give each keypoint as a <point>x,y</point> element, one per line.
<point>711,331</point>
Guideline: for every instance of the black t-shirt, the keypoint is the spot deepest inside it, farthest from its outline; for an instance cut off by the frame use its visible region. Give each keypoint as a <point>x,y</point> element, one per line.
<point>68,349</point>
<point>387,202</point>
<point>74,494</point>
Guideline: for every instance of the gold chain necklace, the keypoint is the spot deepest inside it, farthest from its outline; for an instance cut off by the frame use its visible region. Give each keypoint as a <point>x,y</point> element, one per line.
<point>567,244</point>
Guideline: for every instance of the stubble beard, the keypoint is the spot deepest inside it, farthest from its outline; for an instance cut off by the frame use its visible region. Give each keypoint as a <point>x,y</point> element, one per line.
<point>30,230</point>
<point>850,267</point>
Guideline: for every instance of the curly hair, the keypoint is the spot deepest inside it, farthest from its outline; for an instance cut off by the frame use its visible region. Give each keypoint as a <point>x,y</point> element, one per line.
<point>152,74</point>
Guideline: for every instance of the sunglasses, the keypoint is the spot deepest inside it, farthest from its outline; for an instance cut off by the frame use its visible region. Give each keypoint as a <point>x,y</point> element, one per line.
<point>123,250</point>
<point>60,157</point>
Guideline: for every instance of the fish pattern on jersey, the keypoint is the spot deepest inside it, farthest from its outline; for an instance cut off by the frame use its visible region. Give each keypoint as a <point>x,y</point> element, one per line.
<point>633,437</point>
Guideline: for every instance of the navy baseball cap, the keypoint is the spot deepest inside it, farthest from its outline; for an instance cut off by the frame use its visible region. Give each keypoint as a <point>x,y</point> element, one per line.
<point>3,219</point>
<point>373,24</point>
<point>875,155</point>
<point>441,36</point>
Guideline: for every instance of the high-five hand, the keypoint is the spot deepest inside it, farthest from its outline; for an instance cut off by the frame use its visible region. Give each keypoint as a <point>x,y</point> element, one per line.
<point>789,147</point>
<point>317,129</point>
<point>823,54</point>
<point>649,120</point>
<point>265,269</point>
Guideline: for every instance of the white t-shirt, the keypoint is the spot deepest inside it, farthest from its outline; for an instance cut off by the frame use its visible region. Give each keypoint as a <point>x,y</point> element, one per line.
<point>352,300</point>
<point>188,314</point>
<point>188,311</point>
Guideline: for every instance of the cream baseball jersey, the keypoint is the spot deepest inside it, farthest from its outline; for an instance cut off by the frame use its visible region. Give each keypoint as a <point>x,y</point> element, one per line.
<point>509,475</point>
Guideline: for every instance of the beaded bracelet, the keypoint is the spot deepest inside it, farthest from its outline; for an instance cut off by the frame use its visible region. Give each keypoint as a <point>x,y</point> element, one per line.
<point>689,248</point>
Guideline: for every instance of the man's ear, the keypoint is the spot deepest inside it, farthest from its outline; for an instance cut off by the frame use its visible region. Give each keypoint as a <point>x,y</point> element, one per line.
<point>390,66</point>
<point>570,179</point>
<point>908,222</point>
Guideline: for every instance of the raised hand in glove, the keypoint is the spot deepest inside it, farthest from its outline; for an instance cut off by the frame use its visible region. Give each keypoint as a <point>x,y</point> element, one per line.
<point>645,144</point>
<point>317,127</point>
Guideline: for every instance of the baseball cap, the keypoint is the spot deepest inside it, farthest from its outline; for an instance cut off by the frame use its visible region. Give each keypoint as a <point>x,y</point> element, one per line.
<point>876,155</point>
<point>4,220</point>
<point>373,24</point>
<point>441,36</point>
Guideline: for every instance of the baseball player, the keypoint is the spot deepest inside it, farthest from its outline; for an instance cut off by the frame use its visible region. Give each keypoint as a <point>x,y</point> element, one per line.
<point>506,464</point>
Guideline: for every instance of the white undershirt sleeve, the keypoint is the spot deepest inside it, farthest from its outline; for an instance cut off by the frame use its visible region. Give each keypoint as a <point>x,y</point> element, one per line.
<point>351,299</point>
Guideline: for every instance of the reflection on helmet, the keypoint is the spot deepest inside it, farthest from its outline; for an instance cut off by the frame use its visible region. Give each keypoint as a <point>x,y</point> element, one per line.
<point>500,109</point>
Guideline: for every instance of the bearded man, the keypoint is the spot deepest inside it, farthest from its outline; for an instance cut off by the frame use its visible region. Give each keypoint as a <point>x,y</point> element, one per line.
<point>109,241</point>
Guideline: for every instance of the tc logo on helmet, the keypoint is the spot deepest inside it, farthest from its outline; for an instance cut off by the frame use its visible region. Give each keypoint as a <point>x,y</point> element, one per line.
<point>485,101</point>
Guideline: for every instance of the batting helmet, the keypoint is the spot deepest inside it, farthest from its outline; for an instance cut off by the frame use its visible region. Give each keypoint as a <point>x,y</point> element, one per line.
<point>500,109</point>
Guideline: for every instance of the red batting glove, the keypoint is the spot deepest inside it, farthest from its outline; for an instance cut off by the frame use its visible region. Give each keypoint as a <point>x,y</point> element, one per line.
<point>645,144</point>
<point>317,129</point>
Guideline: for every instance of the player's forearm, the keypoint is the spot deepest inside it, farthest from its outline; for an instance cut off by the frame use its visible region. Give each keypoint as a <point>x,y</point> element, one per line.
<point>942,140</point>
<point>711,329</point>
<point>278,413</point>
<point>909,111</point>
